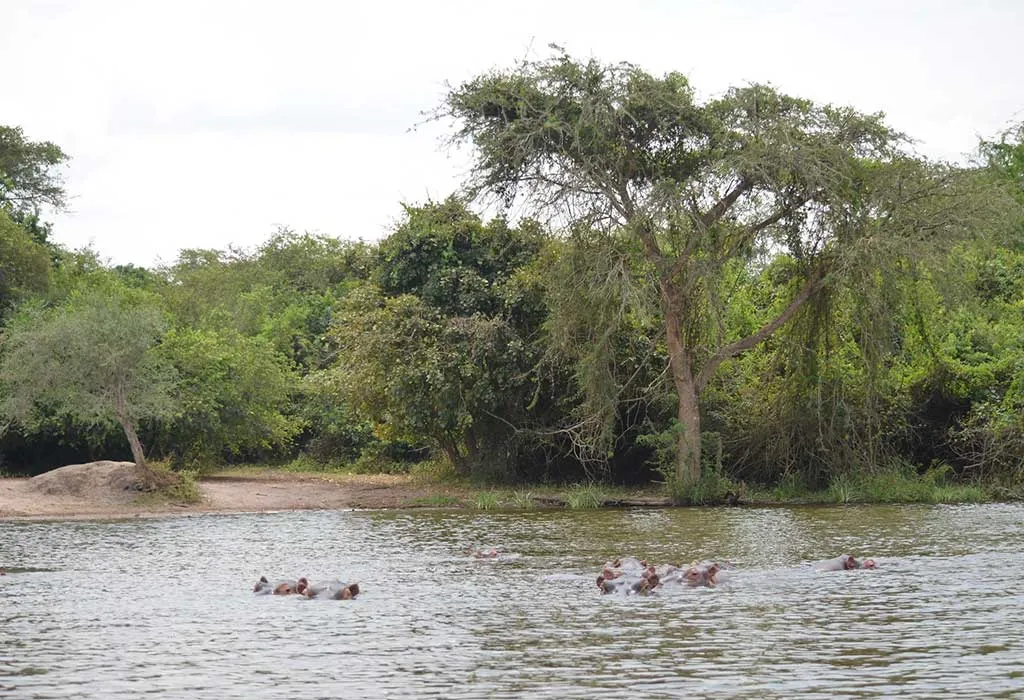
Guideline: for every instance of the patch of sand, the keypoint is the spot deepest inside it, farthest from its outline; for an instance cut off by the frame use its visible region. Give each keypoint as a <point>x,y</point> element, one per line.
<point>110,490</point>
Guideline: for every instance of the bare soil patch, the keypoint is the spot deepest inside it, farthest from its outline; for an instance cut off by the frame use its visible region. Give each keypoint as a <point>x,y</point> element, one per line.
<point>110,490</point>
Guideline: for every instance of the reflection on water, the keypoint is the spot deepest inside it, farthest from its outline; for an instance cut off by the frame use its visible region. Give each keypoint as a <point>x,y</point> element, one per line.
<point>164,607</point>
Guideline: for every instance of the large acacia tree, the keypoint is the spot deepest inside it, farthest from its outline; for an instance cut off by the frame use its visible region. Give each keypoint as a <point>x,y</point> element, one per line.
<point>698,185</point>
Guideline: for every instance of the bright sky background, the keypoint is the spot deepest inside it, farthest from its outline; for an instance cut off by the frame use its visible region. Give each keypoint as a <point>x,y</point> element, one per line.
<point>199,124</point>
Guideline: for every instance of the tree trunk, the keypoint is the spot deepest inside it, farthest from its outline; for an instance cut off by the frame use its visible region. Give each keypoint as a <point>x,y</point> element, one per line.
<point>472,447</point>
<point>133,441</point>
<point>451,451</point>
<point>680,364</point>
<point>151,480</point>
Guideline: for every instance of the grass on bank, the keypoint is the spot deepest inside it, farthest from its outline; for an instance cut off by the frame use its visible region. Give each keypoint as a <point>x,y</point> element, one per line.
<point>899,485</point>
<point>183,486</point>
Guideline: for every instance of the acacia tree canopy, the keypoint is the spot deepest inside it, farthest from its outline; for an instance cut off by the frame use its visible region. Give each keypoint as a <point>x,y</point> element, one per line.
<point>93,357</point>
<point>750,175</point>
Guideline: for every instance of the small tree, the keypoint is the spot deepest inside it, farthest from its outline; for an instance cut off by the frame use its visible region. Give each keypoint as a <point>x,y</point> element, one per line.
<point>93,357</point>
<point>700,186</point>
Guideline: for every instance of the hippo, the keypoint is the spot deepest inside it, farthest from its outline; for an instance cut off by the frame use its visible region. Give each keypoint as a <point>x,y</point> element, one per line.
<point>334,590</point>
<point>707,574</point>
<point>628,565</point>
<point>666,570</point>
<point>845,562</point>
<point>628,584</point>
<point>265,587</point>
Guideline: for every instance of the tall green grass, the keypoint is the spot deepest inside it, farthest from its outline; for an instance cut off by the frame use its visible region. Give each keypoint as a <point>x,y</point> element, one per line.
<point>902,485</point>
<point>583,496</point>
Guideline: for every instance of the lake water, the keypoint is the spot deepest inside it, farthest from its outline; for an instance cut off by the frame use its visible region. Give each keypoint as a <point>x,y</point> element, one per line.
<point>164,608</point>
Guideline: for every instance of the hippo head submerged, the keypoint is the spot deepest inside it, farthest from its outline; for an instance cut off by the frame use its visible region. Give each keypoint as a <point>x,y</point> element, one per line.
<point>335,590</point>
<point>702,575</point>
<point>850,562</point>
<point>282,588</point>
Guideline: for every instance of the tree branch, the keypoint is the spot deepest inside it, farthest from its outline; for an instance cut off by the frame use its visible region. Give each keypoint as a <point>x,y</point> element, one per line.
<point>814,282</point>
<point>712,215</point>
<point>709,218</point>
<point>646,235</point>
<point>761,225</point>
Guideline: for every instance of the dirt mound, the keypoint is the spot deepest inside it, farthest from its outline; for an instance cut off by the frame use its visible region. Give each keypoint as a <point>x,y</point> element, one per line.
<point>98,482</point>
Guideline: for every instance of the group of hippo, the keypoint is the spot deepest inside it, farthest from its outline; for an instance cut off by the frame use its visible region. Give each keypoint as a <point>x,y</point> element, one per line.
<point>628,575</point>
<point>633,576</point>
<point>332,590</point>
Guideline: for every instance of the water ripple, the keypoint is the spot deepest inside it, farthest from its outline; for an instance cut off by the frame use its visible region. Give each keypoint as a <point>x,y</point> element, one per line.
<point>163,608</point>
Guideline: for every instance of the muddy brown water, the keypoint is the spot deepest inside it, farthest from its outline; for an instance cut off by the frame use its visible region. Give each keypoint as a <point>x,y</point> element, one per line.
<point>163,607</point>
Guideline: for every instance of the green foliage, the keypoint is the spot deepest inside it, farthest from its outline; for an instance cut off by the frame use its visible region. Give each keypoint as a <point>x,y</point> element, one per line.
<point>233,396</point>
<point>29,180</point>
<point>603,326</point>
<point>304,464</point>
<point>426,362</point>
<point>93,358</point>
<point>285,291</point>
<point>433,471</point>
<point>379,457</point>
<point>334,432</point>
<point>24,264</point>
<point>447,257</point>
<point>1005,158</point>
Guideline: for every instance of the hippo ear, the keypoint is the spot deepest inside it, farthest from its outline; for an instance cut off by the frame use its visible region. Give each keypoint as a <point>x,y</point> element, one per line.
<point>263,579</point>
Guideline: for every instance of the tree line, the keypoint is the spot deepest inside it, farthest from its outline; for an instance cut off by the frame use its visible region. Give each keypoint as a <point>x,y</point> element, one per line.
<point>753,287</point>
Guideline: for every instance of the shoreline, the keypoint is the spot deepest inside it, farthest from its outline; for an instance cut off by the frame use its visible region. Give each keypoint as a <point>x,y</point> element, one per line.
<point>99,491</point>
<point>278,492</point>
<point>21,499</point>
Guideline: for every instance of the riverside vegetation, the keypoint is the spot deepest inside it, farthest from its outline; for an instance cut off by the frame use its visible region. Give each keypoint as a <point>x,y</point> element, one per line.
<point>750,298</point>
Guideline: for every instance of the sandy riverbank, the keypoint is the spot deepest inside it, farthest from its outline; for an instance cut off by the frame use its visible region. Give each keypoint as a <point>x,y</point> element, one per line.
<point>104,490</point>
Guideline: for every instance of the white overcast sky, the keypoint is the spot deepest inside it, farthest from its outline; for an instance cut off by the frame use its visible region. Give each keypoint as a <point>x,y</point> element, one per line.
<point>208,123</point>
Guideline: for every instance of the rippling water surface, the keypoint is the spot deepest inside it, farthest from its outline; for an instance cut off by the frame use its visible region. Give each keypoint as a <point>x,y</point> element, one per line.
<point>164,607</point>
